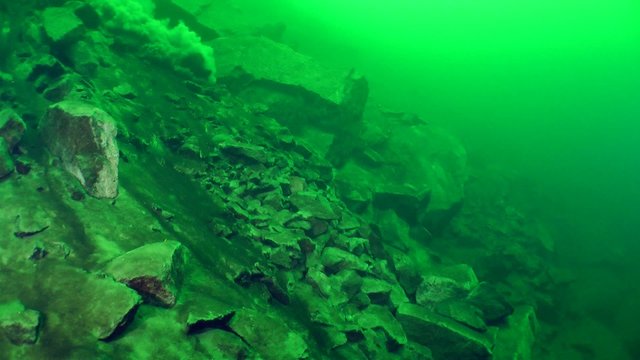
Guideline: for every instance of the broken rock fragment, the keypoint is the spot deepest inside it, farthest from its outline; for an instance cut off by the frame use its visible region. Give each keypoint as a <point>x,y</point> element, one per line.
<point>153,270</point>
<point>84,138</point>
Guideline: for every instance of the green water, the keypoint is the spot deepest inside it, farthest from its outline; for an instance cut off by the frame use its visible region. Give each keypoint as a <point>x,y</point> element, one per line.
<point>547,90</point>
<point>254,177</point>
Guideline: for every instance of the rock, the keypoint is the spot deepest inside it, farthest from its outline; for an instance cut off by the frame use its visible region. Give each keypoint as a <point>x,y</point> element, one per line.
<point>154,270</point>
<point>254,153</point>
<point>493,305</point>
<point>83,304</point>
<point>61,23</point>
<point>84,138</point>
<point>407,202</point>
<point>32,222</point>
<point>463,313</point>
<point>313,205</point>
<point>376,316</point>
<point>318,104</point>
<point>221,344</point>
<point>6,162</point>
<point>377,290</point>
<point>12,127</point>
<point>430,186</point>
<point>437,289</point>
<point>515,340</point>
<point>270,337</point>
<point>20,325</point>
<point>446,338</point>
<point>335,260</point>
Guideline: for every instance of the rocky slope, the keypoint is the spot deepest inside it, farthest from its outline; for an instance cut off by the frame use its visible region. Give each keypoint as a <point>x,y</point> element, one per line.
<point>175,191</point>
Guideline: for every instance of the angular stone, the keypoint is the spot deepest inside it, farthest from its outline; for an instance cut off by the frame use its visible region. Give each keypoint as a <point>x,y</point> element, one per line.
<point>20,325</point>
<point>84,304</point>
<point>154,270</point>
<point>335,260</point>
<point>437,289</point>
<point>376,316</point>
<point>251,152</point>
<point>446,338</point>
<point>463,313</point>
<point>61,23</point>
<point>313,205</point>
<point>84,138</point>
<point>6,162</point>
<point>12,127</point>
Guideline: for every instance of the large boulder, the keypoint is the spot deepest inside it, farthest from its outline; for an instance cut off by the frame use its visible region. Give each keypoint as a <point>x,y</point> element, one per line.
<point>154,270</point>
<point>418,170</point>
<point>316,102</point>
<point>19,324</point>
<point>446,338</point>
<point>83,136</point>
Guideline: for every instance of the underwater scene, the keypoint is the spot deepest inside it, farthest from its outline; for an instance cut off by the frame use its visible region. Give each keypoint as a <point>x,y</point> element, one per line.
<point>320,179</point>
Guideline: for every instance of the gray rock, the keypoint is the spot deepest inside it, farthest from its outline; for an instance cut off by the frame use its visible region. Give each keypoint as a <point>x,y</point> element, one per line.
<point>84,138</point>
<point>12,127</point>
<point>446,338</point>
<point>6,162</point>
<point>154,270</point>
<point>463,313</point>
<point>20,325</point>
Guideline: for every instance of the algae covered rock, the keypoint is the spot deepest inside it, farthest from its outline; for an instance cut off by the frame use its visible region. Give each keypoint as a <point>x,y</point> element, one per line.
<point>19,324</point>
<point>154,270</point>
<point>83,136</point>
<point>516,339</point>
<point>446,338</point>
<point>85,305</point>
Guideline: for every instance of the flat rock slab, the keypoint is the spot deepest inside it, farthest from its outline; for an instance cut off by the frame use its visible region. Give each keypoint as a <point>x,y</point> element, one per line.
<point>84,138</point>
<point>83,304</point>
<point>61,23</point>
<point>20,325</point>
<point>154,270</point>
<point>446,338</point>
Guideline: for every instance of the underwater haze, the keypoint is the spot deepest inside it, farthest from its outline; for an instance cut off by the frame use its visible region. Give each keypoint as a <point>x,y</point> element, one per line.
<point>320,179</point>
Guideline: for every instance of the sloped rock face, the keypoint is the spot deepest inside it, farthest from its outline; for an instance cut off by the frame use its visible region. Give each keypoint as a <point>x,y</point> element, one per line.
<point>84,138</point>
<point>154,270</point>
<point>20,325</point>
